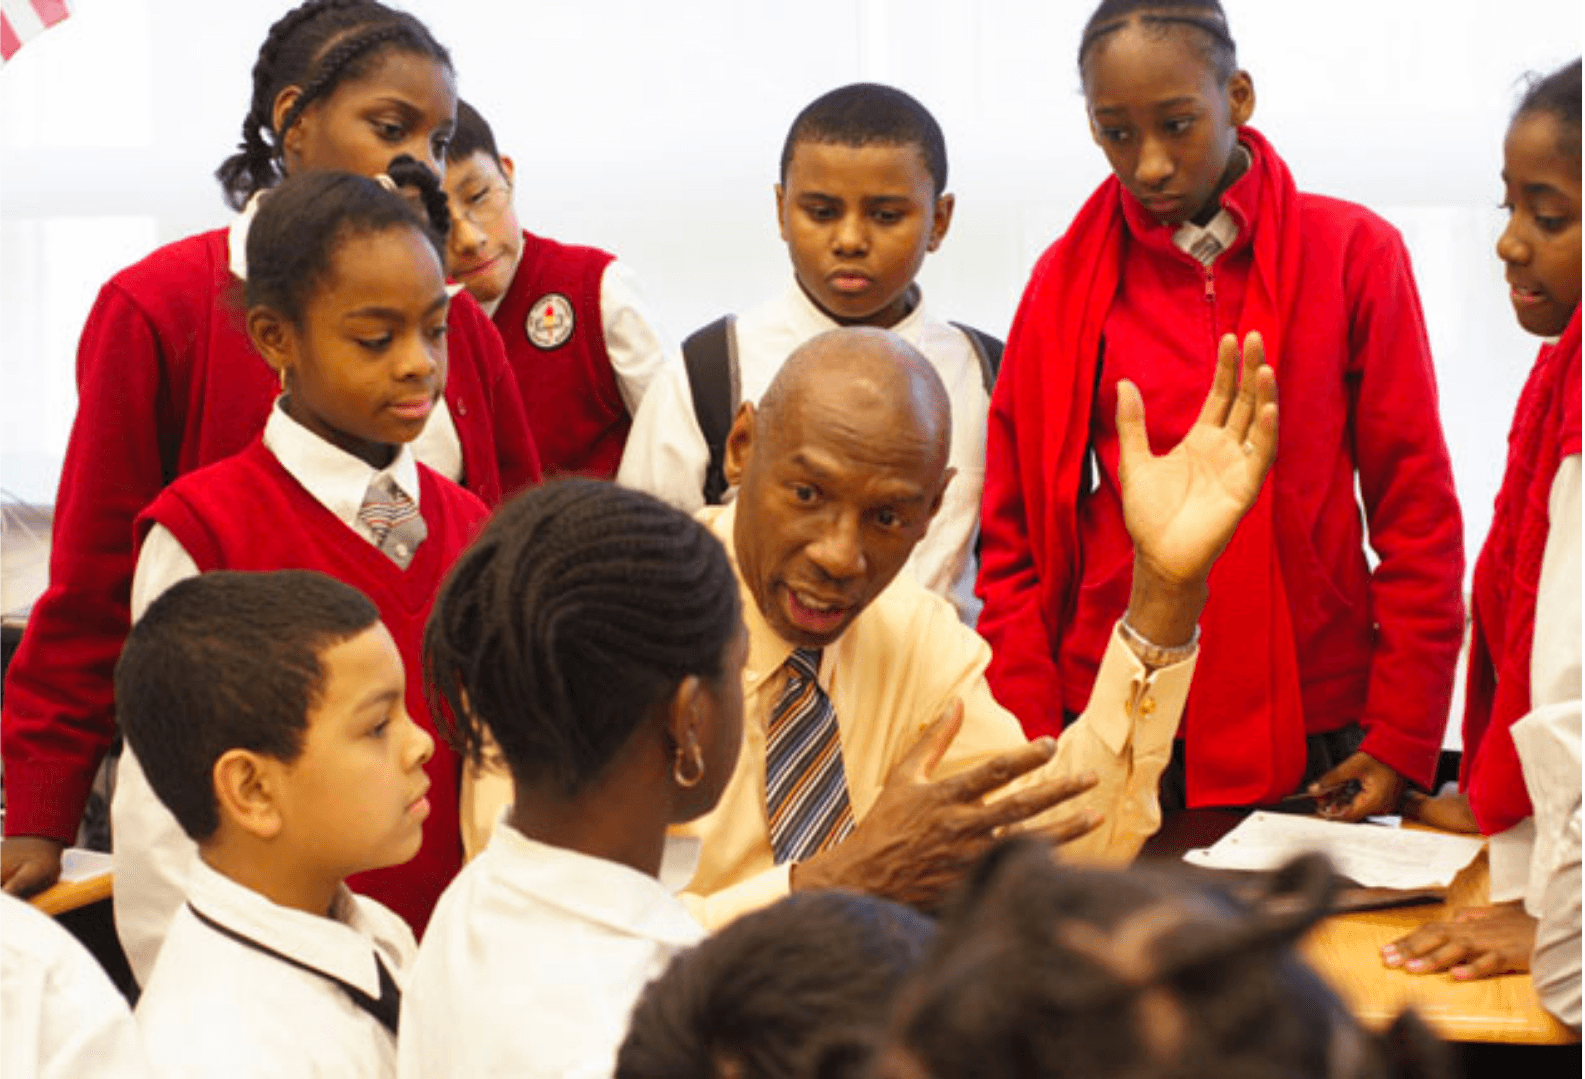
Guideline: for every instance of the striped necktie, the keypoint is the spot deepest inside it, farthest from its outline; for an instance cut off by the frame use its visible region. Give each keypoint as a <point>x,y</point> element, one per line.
<point>394,520</point>
<point>806,792</point>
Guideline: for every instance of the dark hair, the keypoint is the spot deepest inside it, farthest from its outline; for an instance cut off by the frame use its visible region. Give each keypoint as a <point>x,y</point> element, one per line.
<point>298,229</point>
<point>316,46</point>
<point>1558,95</point>
<point>777,989</point>
<point>867,114</point>
<point>227,661</point>
<point>1044,969</point>
<point>1205,19</point>
<point>577,612</point>
<point>472,136</point>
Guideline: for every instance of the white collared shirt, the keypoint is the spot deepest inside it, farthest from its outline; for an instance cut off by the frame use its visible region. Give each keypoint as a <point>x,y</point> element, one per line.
<point>438,444</point>
<point>60,1018</point>
<point>1205,243</point>
<point>534,958</point>
<point>667,455</point>
<point>152,853</point>
<point>216,1006</point>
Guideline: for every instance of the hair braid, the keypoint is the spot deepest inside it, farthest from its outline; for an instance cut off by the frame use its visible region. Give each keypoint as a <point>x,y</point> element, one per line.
<point>1160,16</point>
<point>578,611</point>
<point>405,172</point>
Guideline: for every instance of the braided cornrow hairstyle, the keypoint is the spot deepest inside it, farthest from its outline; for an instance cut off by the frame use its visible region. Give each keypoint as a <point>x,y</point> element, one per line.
<point>1042,969</point>
<point>577,613</point>
<point>316,46</point>
<point>293,240</point>
<point>1205,19</point>
<point>1557,95</point>
<point>407,173</point>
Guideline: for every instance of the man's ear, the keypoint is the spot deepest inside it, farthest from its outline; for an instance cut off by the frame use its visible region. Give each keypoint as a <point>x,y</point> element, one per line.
<point>273,336</point>
<point>781,207</point>
<point>739,444</point>
<point>941,219</point>
<point>509,170</point>
<point>247,788</point>
<point>291,142</point>
<point>1240,98</point>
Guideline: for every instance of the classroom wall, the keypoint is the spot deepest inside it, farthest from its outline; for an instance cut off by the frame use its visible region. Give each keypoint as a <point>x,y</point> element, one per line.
<point>655,129</point>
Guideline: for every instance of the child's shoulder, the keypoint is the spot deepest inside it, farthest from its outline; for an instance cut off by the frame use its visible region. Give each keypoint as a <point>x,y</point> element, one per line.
<point>546,247</point>
<point>179,269</point>
<point>1335,220</point>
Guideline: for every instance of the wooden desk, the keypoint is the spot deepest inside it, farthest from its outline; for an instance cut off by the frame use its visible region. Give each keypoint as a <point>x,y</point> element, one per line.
<point>1346,950</point>
<point>64,896</point>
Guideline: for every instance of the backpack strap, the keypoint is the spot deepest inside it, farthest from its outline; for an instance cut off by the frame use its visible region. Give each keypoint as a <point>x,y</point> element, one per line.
<point>710,355</point>
<point>988,349</point>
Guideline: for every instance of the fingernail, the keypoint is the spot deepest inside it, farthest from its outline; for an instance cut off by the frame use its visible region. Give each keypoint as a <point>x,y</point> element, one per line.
<point>1418,964</point>
<point>1463,973</point>
<point>1047,744</point>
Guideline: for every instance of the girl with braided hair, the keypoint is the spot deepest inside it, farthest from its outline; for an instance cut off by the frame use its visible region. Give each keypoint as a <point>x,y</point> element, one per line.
<point>1044,969</point>
<point>347,304</point>
<point>595,635</point>
<point>168,382</point>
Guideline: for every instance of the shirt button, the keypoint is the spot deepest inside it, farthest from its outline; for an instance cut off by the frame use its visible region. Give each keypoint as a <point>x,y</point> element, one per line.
<point>401,550</point>
<point>1147,707</point>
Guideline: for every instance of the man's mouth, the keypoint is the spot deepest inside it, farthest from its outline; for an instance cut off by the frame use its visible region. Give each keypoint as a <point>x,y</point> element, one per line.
<point>813,614</point>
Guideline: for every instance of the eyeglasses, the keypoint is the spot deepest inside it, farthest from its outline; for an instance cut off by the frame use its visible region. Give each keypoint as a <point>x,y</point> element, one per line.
<point>484,207</point>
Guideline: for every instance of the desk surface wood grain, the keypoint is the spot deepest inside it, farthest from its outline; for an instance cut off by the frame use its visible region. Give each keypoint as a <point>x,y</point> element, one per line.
<point>69,895</point>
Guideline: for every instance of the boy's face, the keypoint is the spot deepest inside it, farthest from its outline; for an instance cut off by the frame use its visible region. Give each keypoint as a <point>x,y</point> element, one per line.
<point>486,239</point>
<point>353,800</point>
<point>858,221</point>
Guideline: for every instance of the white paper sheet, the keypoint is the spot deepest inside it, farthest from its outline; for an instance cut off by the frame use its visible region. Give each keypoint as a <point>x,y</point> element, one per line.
<point>1371,856</point>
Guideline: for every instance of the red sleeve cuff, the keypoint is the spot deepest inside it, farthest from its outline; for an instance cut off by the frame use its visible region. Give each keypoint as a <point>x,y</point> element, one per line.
<point>1410,757</point>
<point>45,801</point>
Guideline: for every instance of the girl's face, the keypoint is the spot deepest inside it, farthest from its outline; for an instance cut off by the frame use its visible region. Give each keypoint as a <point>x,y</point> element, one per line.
<point>366,366</point>
<point>405,104</point>
<point>1541,245</point>
<point>1166,126</point>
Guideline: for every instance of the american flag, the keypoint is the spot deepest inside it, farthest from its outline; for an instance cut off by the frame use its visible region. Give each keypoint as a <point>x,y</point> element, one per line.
<point>23,19</point>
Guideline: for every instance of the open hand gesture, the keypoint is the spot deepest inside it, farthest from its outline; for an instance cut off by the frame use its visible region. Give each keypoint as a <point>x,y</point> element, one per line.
<point>1181,508</point>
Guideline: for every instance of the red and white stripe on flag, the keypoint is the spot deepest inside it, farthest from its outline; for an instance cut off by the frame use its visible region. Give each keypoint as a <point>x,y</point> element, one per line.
<point>24,19</point>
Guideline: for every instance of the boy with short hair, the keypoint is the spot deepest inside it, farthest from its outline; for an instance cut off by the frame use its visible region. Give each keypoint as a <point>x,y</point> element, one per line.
<point>267,712</point>
<point>578,332</point>
<point>862,200</point>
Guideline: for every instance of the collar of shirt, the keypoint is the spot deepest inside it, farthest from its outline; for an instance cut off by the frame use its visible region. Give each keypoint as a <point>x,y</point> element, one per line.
<point>596,889</point>
<point>1205,243</point>
<point>336,478</point>
<point>341,945</point>
<point>808,320</point>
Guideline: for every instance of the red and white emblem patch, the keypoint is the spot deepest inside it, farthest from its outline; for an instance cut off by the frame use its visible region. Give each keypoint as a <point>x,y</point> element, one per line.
<point>550,321</point>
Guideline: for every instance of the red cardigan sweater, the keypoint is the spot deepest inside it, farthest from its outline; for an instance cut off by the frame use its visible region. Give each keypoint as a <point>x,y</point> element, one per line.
<point>1328,283</point>
<point>168,382</point>
<point>215,514</point>
<point>570,395</point>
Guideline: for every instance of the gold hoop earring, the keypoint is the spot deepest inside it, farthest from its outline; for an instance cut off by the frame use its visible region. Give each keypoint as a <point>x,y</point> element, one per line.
<point>688,782</point>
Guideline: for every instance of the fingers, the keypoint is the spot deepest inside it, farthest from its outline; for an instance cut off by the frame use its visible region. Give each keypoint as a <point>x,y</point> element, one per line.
<point>998,771</point>
<point>1066,830</point>
<point>1486,965</point>
<point>922,758</point>
<point>1019,807</point>
<point>1133,438</point>
<point>1245,401</point>
<point>1223,385</point>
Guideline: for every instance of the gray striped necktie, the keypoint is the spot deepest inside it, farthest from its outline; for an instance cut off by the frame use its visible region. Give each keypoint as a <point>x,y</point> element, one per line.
<point>394,519</point>
<point>806,791</point>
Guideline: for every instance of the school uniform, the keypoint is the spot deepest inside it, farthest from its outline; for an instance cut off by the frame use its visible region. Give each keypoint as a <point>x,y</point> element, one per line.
<point>584,347</point>
<point>534,959</point>
<point>309,492</point>
<point>60,1018</point>
<point>246,987</point>
<point>1300,637</point>
<point>168,382</point>
<point>667,454</point>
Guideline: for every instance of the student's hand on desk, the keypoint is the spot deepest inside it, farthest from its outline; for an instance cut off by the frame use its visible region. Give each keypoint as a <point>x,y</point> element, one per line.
<point>29,863</point>
<point>1449,812</point>
<point>922,836</point>
<point>1380,789</point>
<point>1478,943</point>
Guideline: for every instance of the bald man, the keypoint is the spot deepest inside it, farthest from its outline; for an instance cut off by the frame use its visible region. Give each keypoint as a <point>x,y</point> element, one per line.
<point>874,756</point>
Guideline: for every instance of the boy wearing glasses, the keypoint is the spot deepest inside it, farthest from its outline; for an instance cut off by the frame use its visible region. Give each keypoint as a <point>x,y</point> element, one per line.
<point>579,335</point>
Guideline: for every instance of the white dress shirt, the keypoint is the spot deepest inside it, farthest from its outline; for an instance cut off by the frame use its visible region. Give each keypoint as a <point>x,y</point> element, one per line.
<point>534,958</point>
<point>216,1006</point>
<point>152,854</point>
<point>634,344</point>
<point>60,1018</point>
<point>667,455</point>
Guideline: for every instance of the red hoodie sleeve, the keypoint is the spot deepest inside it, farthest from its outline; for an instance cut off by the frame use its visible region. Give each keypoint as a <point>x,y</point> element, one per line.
<point>1012,579</point>
<point>58,717</point>
<point>1406,482</point>
<point>517,456</point>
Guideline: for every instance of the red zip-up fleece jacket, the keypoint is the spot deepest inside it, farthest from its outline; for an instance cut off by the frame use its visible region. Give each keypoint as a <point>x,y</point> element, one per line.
<point>168,382</point>
<point>570,395</point>
<point>214,514</point>
<point>1329,285</point>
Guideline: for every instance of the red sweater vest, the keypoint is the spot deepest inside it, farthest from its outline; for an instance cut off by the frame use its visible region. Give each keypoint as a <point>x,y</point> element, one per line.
<point>551,321</point>
<point>1337,305</point>
<point>249,513</point>
<point>168,382</point>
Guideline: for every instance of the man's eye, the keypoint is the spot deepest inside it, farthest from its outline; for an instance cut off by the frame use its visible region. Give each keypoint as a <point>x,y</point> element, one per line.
<point>803,492</point>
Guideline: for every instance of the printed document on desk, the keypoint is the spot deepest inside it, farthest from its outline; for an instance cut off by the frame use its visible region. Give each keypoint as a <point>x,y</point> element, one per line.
<point>1369,855</point>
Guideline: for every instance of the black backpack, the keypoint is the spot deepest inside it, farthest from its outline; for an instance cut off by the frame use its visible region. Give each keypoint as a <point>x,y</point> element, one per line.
<point>710,354</point>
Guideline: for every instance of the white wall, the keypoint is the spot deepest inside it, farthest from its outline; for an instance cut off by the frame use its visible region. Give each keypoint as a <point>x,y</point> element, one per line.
<point>654,129</point>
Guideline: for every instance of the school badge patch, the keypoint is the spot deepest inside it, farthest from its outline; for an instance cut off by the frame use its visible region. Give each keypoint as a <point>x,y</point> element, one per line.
<point>550,321</point>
